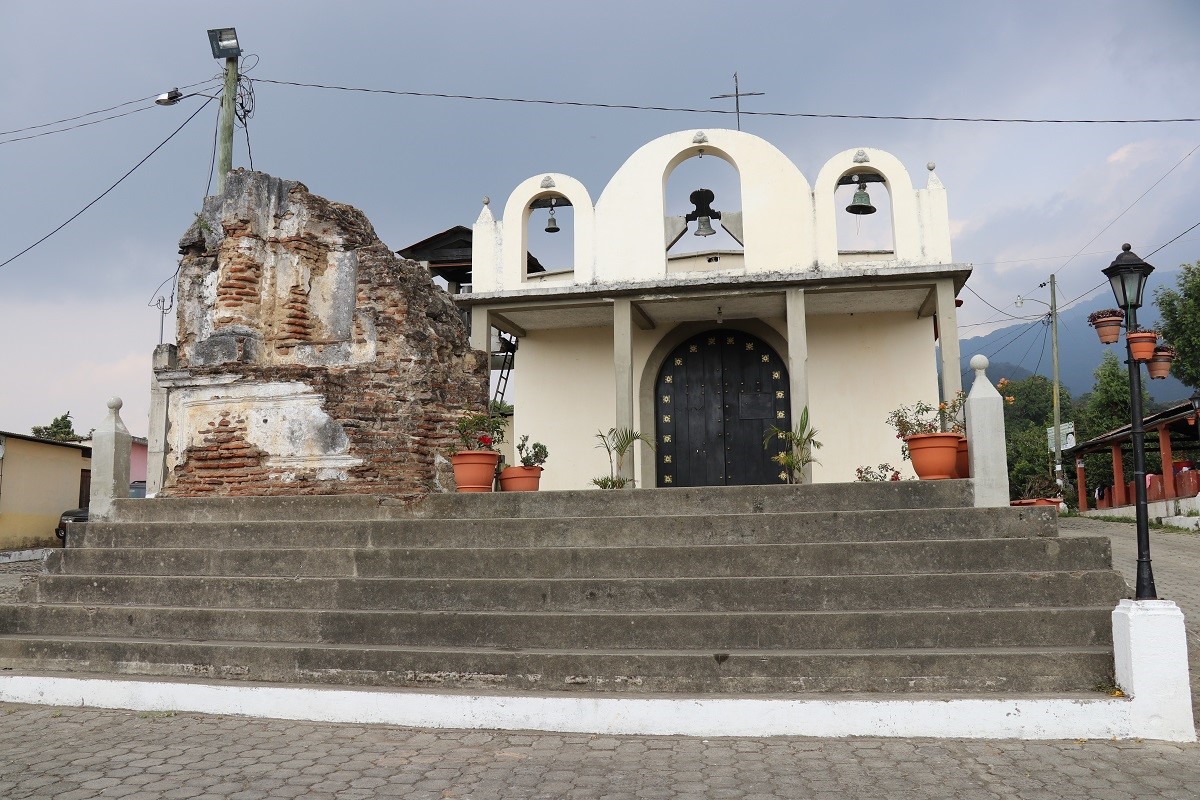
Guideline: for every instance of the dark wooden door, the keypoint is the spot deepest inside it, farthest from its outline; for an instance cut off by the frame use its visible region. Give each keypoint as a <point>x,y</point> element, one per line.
<point>716,397</point>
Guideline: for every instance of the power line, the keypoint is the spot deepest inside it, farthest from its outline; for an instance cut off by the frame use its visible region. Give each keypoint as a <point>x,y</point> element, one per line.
<point>80,125</point>
<point>989,305</point>
<point>99,111</point>
<point>692,110</point>
<point>78,213</point>
<point>1177,238</point>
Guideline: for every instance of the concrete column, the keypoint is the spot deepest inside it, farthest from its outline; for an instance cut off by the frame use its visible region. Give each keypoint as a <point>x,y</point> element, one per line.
<point>985,437</point>
<point>1118,476</point>
<point>797,344</point>
<point>623,374</point>
<point>1168,468</point>
<point>1150,649</point>
<point>947,316</point>
<point>111,444</point>
<point>1081,485</point>
<point>166,356</point>
<point>481,331</point>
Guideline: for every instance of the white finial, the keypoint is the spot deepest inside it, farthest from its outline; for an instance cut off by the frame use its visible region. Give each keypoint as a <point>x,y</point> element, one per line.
<point>115,403</point>
<point>699,138</point>
<point>547,182</point>
<point>861,157</point>
<point>487,201</point>
<point>931,166</point>
<point>979,363</point>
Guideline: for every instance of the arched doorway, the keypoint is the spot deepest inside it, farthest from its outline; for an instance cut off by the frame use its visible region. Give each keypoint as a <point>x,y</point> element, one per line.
<point>716,396</point>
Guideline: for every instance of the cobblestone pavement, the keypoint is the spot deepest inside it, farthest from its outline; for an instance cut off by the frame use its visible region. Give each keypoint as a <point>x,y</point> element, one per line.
<point>73,753</point>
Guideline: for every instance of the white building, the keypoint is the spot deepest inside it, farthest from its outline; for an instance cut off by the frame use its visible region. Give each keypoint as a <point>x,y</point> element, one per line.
<point>707,351</point>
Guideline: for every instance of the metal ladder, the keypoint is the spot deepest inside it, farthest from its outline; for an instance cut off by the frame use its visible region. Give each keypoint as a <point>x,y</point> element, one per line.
<point>508,348</point>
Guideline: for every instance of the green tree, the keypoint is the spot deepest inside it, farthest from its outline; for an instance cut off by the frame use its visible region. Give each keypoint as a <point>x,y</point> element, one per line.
<point>1106,408</point>
<point>1180,326</point>
<point>61,429</point>
<point>1030,410</point>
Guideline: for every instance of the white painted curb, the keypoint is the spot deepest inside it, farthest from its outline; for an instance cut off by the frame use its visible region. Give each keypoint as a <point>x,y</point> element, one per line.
<point>748,717</point>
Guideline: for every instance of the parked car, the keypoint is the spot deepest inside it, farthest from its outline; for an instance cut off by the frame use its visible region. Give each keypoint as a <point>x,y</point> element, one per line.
<point>137,489</point>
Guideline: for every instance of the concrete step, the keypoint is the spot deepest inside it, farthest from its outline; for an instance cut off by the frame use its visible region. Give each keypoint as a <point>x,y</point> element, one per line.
<point>1047,669</point>
<point>701,501</point>
<point>724,528</point>
<point>705,631</point>
<point>838,558</point>
<point>810,593</point>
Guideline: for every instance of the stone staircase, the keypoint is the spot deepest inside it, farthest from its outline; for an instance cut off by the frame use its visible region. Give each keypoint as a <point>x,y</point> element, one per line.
<point>759,589</point>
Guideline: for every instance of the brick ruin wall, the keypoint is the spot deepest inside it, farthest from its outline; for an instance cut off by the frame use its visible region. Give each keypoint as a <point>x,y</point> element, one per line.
<point>310,358</point>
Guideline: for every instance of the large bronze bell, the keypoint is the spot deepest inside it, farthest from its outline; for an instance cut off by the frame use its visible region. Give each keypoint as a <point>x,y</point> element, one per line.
<point>861,204</point>
<point>552,223</point>
<point>704,227</point>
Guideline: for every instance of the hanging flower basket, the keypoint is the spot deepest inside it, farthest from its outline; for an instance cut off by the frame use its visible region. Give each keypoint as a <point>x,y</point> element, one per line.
<point>1107,324</point>
<point>1159,365</point>
<point>474,470</point>
<point>1141,344</point>
<point>933,455</point>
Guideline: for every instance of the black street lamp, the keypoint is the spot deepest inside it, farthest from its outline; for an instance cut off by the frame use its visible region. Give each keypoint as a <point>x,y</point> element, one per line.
<point>1195,400</point>
<point>1128,274</point>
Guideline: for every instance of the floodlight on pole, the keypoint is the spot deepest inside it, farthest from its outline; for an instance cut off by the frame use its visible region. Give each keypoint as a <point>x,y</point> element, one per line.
<point>224,43</point>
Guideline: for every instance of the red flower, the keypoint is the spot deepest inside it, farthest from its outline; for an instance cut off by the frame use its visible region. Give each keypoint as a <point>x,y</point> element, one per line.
<point>485,440</point>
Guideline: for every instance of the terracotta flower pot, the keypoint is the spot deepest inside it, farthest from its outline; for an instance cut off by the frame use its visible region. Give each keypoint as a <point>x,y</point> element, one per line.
<point>1159,366</point>
<point>520,479</point>
<point>933,455</point>
<point>475,469</point>
<point>1108,329</point>
<point>962,461</point>
<point>1141,344</point>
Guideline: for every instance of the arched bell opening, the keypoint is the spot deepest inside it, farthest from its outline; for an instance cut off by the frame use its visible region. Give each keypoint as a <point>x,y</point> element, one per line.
<point>703,204</point>
<point>716,395</point>
<point>863,210</point>
<point>550,235</point>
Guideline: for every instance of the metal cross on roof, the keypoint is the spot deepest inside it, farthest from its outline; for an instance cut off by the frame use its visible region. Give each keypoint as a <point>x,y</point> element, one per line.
<point>737,99</point>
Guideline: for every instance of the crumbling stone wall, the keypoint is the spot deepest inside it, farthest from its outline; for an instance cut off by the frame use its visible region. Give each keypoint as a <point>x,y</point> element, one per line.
<point>310,359</point>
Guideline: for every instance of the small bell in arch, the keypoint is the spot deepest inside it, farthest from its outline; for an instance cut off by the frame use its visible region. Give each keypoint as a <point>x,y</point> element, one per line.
<point>703,213</point>
<point>552,223</point>
<point>861,204</point>
<point>704,227</point>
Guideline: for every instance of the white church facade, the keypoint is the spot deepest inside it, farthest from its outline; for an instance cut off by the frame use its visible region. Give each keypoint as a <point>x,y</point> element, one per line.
<point>705,352</point>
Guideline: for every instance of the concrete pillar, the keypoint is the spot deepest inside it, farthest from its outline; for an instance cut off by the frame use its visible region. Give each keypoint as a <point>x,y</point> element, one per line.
<point>1150,649</point>
<point>623,374</point>
<point>111,444</point>
<point>797,344</point>
<point>947,316</point>
<point>1081,485</point>
<point>481,330</point>
<point>166,356</point>
<point>1118,476</point>
<point>1168,468</point>
<point>985,436</point>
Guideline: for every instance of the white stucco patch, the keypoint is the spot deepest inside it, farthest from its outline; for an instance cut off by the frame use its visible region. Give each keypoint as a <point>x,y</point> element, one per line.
<point>691,716</point>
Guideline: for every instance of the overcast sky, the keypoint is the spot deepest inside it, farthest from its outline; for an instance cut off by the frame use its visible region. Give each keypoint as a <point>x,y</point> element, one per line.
<point>75,326</point>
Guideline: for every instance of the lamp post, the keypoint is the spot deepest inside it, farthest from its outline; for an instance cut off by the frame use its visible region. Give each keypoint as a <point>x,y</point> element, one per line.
<point>224,43</point>
<point>1127,274</point>
<point>1195,401</point>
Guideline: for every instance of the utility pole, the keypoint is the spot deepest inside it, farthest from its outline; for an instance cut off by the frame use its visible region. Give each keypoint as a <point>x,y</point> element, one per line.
<point>1058,470</point>
<point>225,138</point>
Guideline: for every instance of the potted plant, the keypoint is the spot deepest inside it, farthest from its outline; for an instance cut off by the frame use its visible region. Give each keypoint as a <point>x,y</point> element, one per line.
<point>475,458</point>
<point>527,476</point>
<point>798,447</point>
<point>1159,365</point>
<point>1107,323</point>
<point>617,443</point>
<point>1142,343</point>
<point>930,436</point>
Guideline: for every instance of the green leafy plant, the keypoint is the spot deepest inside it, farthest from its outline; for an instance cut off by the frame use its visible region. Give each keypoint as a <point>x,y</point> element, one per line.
<point>798,445</point>
<point>479,432</point>
<point>617,443</point>
<point>499,408</point>
<point>531,455</point>
<point>1104,313</point>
